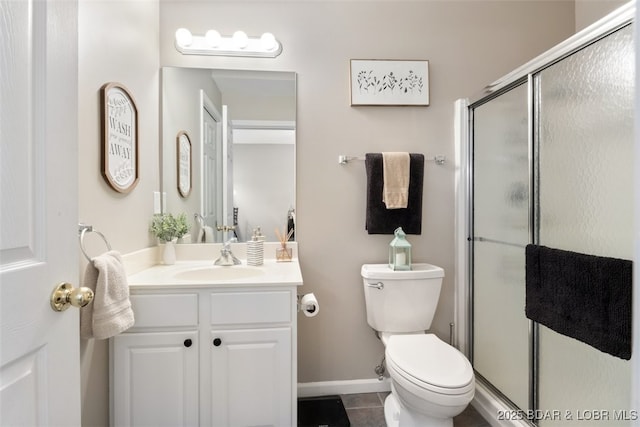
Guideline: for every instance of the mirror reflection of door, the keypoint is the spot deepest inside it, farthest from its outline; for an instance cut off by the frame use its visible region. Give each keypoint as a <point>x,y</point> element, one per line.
<point>211,177</point>
<point>228,223</point>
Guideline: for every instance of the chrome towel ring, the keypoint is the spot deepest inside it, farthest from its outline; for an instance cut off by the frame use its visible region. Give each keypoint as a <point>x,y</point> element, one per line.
<point>83,229</point>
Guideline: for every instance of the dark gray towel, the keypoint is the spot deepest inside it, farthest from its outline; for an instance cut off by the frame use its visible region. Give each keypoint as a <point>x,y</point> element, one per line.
<point>379,219</point>
<point>585,297</point>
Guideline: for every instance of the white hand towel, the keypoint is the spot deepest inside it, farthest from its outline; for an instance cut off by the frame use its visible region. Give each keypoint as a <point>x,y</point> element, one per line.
<point>110,312</point>
<point>208,234</point>
<point>200,238</point>
<point>395,169</point>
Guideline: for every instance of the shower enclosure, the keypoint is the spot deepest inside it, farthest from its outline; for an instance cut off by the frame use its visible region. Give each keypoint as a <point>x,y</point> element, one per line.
<point>550,159</point>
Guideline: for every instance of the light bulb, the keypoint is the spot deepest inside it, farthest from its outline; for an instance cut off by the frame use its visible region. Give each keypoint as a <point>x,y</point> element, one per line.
<point>213,38</point>
<point>240,39</point>
<point>183,37</point>
<point>268,41</point>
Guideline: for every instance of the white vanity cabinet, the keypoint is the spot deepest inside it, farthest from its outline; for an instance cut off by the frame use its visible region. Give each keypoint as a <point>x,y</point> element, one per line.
<point>207,356</point>
<point>156,379</point>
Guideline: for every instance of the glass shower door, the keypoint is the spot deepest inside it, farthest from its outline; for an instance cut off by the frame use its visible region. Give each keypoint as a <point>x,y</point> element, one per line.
<point>501,231</point>
<point>585,162</point>
<point>552,164</point>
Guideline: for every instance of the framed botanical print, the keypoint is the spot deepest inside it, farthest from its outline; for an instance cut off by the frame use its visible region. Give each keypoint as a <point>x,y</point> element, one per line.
<point>389,82</point>
<point>119,137</point>
<point>183,156</point>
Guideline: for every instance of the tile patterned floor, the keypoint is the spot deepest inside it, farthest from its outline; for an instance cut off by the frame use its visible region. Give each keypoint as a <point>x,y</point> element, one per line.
<point>366,410</point>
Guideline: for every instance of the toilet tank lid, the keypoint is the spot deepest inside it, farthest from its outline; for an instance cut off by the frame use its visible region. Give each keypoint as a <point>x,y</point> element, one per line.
<point>418,271</point>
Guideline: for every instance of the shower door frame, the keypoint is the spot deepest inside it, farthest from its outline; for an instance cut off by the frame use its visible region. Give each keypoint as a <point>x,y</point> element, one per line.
<point>490,401</point>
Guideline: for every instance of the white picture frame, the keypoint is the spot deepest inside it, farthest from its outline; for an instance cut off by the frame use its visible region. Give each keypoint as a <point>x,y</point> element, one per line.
<point>389,82</point>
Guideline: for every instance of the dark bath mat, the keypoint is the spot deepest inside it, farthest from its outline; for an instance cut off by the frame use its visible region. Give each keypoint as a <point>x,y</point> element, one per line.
<point>323,411</point>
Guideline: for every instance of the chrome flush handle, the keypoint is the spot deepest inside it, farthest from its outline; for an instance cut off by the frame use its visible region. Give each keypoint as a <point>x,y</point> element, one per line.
<point>378,285</point>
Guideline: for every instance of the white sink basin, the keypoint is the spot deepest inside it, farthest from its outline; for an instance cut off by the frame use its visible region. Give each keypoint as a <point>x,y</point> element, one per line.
<point>217,273</point>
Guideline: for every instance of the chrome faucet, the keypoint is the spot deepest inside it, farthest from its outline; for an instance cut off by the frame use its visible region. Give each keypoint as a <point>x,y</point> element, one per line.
<point>226,256</point>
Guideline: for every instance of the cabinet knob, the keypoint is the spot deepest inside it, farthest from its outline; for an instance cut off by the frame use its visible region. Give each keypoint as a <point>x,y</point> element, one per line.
<point>217,342</point>
<point>188,342</point>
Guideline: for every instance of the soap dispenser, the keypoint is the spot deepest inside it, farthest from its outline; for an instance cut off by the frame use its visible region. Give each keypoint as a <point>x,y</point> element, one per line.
<point>255,248</point>
<point>258,233</point>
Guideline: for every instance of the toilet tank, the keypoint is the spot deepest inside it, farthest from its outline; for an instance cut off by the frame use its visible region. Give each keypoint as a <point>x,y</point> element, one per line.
<point>401,301</point>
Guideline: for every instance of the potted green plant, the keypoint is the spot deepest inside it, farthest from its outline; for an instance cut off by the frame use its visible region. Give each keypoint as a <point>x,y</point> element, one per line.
<point>168,228</point>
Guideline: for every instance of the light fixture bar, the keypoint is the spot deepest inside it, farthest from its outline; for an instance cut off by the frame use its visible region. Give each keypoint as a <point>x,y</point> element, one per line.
<point>212,43</point>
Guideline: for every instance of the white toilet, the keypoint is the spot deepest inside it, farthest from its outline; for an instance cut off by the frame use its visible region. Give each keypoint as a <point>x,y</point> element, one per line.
<point>431,381</point>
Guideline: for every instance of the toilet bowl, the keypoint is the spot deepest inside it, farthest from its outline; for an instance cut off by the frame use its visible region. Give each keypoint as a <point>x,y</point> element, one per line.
<point>431,381</point>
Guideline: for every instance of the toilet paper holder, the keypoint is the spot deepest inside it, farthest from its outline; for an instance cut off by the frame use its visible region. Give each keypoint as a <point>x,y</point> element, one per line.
<point>308,304</point>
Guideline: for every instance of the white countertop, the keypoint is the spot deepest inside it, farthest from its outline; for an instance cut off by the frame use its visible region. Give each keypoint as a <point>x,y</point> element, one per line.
<point>272,273</point>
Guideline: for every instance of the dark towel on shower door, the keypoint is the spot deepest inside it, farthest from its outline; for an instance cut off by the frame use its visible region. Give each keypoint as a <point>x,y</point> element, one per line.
<point>379,219</point>
<point>585,297</point>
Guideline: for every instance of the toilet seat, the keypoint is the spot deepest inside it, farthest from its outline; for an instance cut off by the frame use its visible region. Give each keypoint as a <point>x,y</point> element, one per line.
<point>430,364</point>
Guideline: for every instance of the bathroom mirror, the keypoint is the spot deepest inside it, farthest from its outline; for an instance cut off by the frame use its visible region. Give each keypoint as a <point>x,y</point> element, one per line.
<point>241,125</point>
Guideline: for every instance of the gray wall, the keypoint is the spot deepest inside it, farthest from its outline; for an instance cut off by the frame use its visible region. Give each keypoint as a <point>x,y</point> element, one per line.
<point>589,11</point>
<point>117,42</point>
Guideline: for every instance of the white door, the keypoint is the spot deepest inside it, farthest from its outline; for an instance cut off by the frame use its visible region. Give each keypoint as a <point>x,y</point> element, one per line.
<point>39,354</point>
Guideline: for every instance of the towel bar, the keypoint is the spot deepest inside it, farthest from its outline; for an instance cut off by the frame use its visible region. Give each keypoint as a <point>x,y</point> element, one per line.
<point>343,160</point>
<point>82,229</point>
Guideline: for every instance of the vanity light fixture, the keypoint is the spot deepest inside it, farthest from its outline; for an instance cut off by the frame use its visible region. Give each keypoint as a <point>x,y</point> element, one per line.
<point>239,44</point>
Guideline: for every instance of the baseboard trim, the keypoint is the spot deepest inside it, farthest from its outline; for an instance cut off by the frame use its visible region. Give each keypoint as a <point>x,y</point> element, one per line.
<point>325,388</point>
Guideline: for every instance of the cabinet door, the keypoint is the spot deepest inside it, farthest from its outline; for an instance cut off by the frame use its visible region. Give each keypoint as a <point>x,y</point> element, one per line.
<point>251,379</point>
<point>155,379</point>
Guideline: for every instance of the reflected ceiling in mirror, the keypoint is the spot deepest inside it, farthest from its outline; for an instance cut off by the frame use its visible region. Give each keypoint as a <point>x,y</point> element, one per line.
<point>241,125</point>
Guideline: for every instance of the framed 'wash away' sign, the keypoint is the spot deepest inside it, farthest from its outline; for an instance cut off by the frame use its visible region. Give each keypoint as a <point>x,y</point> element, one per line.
<point>385,82</point>
<point>119,137</point>
<point>184,163</point>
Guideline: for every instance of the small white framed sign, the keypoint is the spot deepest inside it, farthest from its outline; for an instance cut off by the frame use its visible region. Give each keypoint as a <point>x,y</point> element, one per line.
<point>119,137</point>
<point>183,156</point>
<point>389,82</point>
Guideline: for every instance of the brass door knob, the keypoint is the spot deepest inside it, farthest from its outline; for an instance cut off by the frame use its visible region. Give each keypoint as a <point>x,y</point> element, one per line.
<point>65,295</point>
